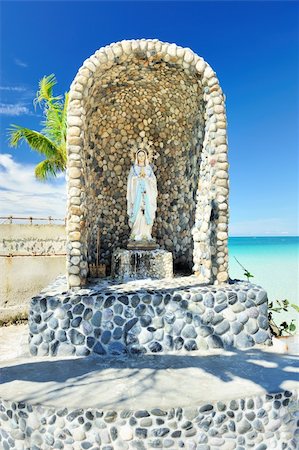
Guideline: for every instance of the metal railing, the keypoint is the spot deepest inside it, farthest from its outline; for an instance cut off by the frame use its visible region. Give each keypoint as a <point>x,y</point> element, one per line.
<point>12,255</point>
<point>10,219</point>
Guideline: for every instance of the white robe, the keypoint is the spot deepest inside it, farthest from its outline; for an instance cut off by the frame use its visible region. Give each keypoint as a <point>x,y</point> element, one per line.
<point>140,229</point>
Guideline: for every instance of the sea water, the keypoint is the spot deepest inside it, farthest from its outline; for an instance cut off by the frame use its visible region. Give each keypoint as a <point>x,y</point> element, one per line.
<point>274,262</point>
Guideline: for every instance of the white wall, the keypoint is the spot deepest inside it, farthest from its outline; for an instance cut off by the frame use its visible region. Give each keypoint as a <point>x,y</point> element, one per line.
<point>23,275</point>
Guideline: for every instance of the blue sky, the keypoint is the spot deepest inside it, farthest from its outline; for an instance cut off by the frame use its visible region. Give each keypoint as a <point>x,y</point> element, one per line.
<point>252,46</point>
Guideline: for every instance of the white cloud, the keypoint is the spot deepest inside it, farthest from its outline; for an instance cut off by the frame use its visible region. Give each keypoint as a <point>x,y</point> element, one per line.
<point>22,195</point>
<point>10,109</point>
<point>20,63</point>
<point>15,99</point>
<point>13,88</point>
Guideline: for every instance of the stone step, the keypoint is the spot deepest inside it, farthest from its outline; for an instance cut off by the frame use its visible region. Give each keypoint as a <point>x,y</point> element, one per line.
<point>204,400</point>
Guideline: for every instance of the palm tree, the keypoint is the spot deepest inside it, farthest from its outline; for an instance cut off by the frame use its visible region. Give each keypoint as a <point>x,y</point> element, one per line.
<point>51,141</point>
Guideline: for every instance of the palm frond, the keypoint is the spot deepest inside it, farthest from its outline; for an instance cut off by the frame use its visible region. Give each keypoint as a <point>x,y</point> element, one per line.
<point>52,126</point>
<point>51,140</point>
<point>48,168</point>
<point>56,122</point>
<point>45,92</point>
<point>37,141</point>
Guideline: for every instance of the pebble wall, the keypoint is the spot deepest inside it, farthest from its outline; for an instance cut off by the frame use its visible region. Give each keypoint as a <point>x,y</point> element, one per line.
<point>117,319</point>
<point>168,99</point>
<point>260,423</point>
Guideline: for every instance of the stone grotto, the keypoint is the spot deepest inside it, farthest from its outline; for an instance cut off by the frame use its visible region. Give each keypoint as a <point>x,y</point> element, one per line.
<point>162,349</point>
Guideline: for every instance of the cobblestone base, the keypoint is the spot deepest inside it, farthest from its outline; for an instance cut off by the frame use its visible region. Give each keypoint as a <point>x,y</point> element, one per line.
<point>260,423</point>
<point>140,317</point>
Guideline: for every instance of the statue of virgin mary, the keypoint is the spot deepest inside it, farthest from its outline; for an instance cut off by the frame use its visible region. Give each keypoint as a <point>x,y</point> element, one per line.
<point>141,199</point>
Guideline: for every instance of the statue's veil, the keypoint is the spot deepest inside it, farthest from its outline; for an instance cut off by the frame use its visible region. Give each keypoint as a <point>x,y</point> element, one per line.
<point>146,156</point>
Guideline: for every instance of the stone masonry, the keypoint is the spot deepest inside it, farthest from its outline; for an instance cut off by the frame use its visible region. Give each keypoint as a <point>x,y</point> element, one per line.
<point>147,317</point>
<point>162,96</point>
<point>260,422</point>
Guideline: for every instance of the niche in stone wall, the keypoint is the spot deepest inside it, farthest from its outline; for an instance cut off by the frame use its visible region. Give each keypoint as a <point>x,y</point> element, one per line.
<point>149,102</point>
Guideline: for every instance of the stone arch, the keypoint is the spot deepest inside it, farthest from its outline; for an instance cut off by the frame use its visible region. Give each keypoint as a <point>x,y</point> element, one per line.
<point>207,167</point>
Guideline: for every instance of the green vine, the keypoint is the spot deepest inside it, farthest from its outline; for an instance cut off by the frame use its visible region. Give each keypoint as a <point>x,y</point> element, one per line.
<point>247,274</point>
<point>284,328</point>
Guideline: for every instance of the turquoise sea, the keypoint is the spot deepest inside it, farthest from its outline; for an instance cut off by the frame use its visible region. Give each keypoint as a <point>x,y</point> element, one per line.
<point>274,262</point>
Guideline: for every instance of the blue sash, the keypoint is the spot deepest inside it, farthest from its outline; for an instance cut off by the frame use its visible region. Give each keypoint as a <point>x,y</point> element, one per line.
<point>141,190</point>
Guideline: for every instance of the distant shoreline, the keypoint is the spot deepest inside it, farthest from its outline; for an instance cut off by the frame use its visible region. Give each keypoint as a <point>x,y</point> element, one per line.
<point>265,236</point>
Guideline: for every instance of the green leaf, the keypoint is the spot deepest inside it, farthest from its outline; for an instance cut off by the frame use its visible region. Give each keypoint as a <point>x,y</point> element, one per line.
<point>278,310</point>
<point>246,272</point>
<point>51,140</point>
<point>37,141</point>
<point>292,327</point>
<point>45,92</point>
<point>47,168</point>
<point>296,307</point>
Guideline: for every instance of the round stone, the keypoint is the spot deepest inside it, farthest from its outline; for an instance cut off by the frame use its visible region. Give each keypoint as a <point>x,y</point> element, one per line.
<point>222,328</point>
<point>105,338</point>
<point>214,341</point>
<point>190,345</point>
<point>261,336</point>
<point>76,337</point>
<point>220,297</point>
<point>97,319</point>
<point>237,327</point>
<point>189,332</point>
<point>244,426</point>
<point>209,300</point>
<point>251,326</point>
<point>126,433</point>
<point>243,340</point>
<point>263,322</point>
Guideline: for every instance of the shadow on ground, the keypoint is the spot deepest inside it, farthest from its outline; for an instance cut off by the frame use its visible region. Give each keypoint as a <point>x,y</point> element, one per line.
<point>166,379</point>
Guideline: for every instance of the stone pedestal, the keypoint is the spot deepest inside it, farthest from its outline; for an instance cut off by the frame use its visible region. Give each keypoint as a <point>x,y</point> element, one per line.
<point>147,316</point>
<point>142,245</point>
<point>141,264</point>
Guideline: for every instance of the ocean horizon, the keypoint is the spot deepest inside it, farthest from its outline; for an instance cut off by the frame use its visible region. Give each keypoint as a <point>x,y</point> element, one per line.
<point>274,263</point>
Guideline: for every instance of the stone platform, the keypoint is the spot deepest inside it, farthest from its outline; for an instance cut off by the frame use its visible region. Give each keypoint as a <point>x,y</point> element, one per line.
<point>147,316</point>
<point>207,400</point>
<point>135,264</point>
